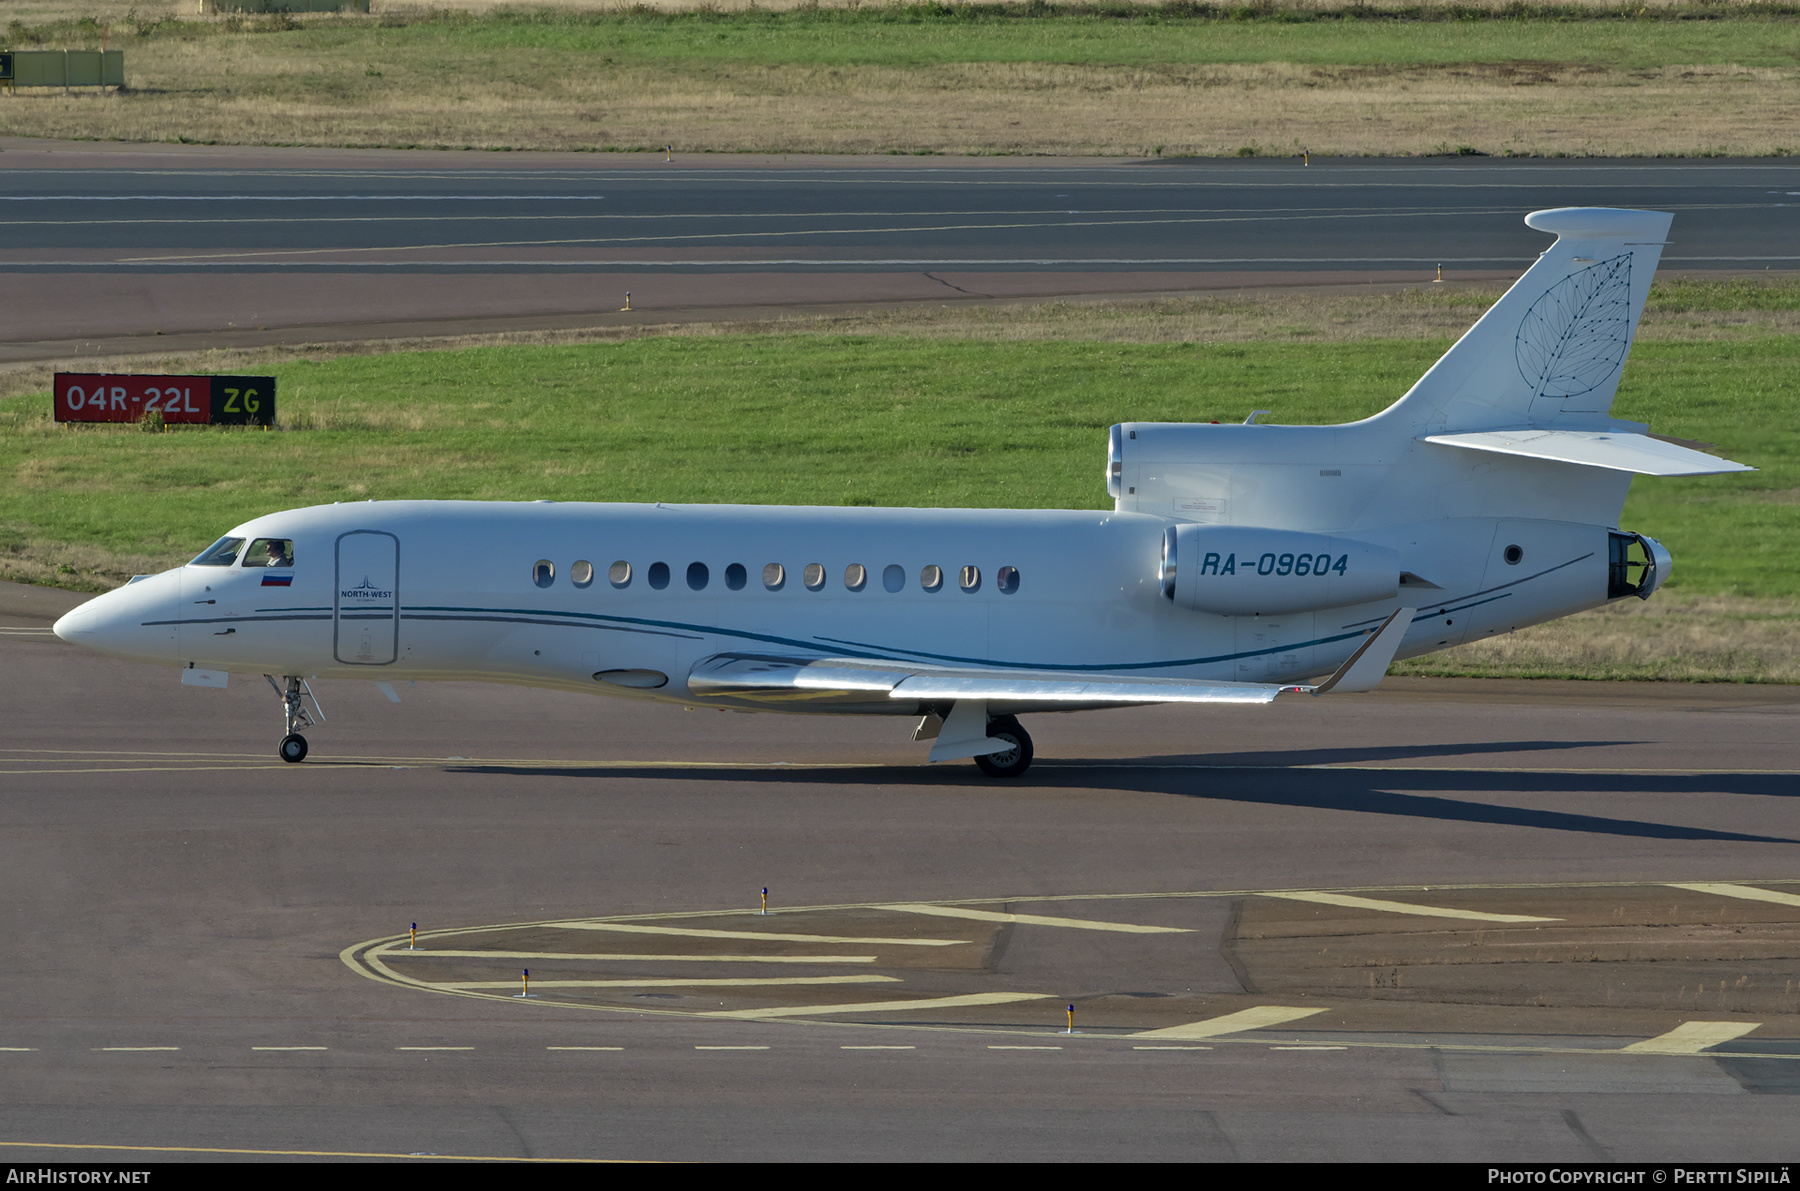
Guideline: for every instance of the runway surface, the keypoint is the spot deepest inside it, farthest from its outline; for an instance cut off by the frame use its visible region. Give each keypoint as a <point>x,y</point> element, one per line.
<point>115,248</point>
<point>1547,921</point>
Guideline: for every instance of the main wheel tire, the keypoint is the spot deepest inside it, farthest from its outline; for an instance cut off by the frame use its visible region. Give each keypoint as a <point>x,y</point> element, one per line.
<point>293,748</point>
<point>1013,761</point>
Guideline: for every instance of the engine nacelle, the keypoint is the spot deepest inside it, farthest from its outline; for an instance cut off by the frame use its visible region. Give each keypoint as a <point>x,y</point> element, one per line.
<point>1235,570</point>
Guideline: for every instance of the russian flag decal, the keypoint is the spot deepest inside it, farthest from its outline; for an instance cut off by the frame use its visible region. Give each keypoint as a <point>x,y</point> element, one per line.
<point>278,580</point>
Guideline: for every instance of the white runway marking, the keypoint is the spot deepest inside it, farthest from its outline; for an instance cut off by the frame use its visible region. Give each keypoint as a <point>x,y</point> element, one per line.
<point>878,1048</point>
<point>993,998</point>
<point>674,982</point>
<point>1258,1018</point>
<point>1746,892</point>
<point>403,953</point>
<point>584,1048</point>
<point>1309,1048</point>
<point>289,1048</point>
<point>1024,1048</point>
<point>763,936</point>
<point>1375,903</point>
<point>434,1048</point>
<point>1171,1048</point>
<point>731,1048</point>
<point>1036,920</point>
<point>1691,1038</point>
<point>137,1048</point>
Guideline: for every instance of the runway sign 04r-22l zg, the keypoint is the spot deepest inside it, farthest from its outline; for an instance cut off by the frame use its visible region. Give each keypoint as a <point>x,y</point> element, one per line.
<point>218,400</point>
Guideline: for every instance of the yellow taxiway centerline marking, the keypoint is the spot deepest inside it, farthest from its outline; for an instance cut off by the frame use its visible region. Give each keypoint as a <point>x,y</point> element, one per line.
<point>1691,1038</point>
<point>767,936</point>
<point>672,982</point>
<point>403,953</point>
<point>1746,892</point>
<point>1261,1017</point>
<point>51,1145</point>
<point>1375,903</point>
<point>1036,920</point>
<point>994,998</point>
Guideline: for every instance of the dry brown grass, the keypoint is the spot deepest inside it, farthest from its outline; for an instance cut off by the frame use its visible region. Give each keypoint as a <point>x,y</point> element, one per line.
<point>1670,638</point>
<point>267,90</point>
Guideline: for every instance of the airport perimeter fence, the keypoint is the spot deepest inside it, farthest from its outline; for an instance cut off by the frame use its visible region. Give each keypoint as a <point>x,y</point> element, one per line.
<point>62,68</point>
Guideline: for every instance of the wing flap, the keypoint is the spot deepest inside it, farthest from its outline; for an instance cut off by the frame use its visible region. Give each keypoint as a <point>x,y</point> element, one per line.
<point>1612,449</point>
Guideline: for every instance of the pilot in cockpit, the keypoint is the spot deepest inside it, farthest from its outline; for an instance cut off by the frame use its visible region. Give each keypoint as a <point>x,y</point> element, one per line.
<point>280,552</point>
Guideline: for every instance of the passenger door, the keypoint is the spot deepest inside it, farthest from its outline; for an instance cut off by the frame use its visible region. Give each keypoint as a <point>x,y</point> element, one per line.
<point>365,617</point>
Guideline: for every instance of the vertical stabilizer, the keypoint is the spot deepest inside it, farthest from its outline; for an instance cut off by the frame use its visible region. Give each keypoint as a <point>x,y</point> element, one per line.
<point>1549,352</point>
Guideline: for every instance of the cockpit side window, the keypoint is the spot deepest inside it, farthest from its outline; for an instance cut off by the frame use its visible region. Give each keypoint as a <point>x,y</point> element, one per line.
<point>221,553</point>
<point>270,552</point>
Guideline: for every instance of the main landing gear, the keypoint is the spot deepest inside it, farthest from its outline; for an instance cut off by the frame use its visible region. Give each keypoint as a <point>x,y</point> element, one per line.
<point>293,746</point>
<point>1013,761</point>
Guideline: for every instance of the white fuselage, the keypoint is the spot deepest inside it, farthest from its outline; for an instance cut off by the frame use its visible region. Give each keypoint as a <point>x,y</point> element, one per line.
<point>451,590</point>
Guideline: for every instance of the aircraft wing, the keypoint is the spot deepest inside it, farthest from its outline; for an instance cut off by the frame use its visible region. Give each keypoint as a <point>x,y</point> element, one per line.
<point>1616,450</point>
<point>786,681</point>
<point>802,681</point>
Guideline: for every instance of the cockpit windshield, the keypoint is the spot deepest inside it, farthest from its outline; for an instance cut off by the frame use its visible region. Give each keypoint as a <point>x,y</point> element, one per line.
<point>221,553</point>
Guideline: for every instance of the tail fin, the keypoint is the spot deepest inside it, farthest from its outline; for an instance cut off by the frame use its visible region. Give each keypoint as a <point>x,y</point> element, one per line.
<point>1549,352</point>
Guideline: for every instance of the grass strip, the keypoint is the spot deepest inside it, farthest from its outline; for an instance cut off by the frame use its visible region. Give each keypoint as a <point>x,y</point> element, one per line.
<point>931,78</point>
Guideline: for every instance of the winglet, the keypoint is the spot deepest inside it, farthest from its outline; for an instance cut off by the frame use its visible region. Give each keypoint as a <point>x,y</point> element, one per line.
<point>1364,669</point>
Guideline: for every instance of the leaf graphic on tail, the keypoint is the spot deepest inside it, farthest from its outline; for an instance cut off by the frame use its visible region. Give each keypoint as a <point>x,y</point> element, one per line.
<point>1573,339</point>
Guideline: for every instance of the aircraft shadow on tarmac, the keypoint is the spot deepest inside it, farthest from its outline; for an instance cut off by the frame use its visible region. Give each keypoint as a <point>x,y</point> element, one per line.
<point>1364,791</point>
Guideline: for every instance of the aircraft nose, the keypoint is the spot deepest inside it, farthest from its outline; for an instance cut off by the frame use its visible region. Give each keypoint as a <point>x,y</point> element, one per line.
<point>135,621</point>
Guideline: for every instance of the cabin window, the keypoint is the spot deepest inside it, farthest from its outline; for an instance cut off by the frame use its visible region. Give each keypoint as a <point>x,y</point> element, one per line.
<point>582,573</point>
<point>856,576</point>
<point>543,572</point>
<point>619,575</point>
<point>893,577</point>
<point>774,576</point>
<point>970,579</point>
<point>932,578</point>
<point>698,576</point>
<point>221,553</point>
<point>270,552</point>
<point>658,575</point>
<point>813,576</point>
<point>736,576</point>
<point>1007,580</point>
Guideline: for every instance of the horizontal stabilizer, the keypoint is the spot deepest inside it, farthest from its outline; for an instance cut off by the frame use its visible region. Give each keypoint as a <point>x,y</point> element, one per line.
<point>1616,450</point>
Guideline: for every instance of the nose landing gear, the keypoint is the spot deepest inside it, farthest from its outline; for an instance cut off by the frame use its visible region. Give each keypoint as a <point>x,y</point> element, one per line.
<point>293,746</point>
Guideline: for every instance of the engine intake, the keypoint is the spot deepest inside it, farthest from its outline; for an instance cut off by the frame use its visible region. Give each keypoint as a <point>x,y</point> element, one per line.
<point>1242,571</point>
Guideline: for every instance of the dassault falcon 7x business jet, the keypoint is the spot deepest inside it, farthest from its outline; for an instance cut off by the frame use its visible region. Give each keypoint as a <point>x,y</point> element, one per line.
<point>1238,563</point>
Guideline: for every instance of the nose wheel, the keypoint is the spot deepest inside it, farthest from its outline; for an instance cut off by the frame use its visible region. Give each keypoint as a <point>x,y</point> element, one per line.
<point>1013,761</point>
<point>293,712</point>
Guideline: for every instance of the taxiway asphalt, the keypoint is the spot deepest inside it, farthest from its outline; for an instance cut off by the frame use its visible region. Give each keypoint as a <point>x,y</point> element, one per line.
<point>117,248</point>
<point>189,925</point>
